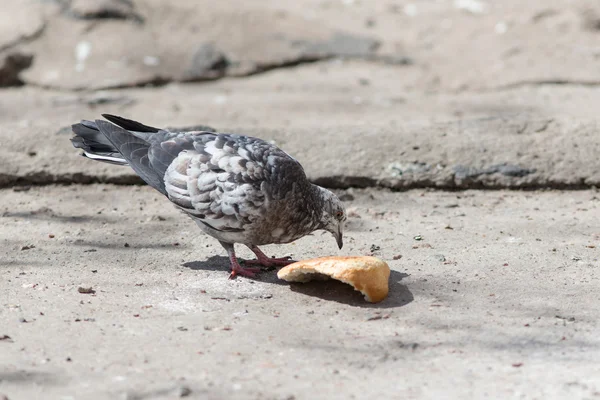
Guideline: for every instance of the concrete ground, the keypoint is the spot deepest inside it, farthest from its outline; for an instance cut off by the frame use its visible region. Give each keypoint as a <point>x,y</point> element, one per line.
<point>462,135</point>
<point>492,294</point>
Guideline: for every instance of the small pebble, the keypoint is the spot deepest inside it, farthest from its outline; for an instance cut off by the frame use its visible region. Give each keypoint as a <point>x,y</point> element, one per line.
<point>183,391</point>
<point>86,290</point>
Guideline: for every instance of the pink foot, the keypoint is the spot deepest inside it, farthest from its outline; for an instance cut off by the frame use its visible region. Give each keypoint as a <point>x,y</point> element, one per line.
<point>265,261</point>
<point>237,269</point>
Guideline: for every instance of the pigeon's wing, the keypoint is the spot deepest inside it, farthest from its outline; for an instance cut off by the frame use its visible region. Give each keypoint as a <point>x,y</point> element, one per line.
<point>134,147</point>
<point>224,180</point>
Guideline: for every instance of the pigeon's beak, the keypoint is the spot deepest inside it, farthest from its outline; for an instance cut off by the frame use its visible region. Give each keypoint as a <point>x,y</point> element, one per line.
<point>339,237</point>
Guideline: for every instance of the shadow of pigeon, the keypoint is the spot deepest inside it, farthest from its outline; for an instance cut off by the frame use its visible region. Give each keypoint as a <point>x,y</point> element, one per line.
<point>221,264</point>
<point>333,290</point>
<point>213,263</point>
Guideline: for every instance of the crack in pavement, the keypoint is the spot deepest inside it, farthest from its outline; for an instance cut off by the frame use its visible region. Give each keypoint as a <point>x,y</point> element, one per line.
<point>331,182</point>
<point>541,82</point>
<point>159,81</point>
<point>24,39</point>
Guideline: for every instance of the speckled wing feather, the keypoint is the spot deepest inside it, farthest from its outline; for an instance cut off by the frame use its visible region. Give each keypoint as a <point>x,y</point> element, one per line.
<point>225,180</point>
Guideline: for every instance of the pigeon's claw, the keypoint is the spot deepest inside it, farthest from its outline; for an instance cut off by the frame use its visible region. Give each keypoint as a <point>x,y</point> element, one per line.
<point>237,269</point>
<point>265,261</point>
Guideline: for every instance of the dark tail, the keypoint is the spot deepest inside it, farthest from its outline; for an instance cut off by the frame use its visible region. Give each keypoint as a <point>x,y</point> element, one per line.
<point>122,142</point>
<point>94,144</point>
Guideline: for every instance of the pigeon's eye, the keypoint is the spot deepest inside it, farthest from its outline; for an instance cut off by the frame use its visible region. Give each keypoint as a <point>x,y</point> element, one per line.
<point>339,214</point>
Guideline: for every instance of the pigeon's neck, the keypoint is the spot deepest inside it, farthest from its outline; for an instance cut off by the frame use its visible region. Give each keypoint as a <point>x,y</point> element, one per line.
<point>318,203</point>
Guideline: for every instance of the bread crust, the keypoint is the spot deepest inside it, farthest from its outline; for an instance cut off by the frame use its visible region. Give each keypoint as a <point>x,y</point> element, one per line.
<point>368,275</point>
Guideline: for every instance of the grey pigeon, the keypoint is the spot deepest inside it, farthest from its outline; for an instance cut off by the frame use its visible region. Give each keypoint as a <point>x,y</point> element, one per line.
<point>238,189</point>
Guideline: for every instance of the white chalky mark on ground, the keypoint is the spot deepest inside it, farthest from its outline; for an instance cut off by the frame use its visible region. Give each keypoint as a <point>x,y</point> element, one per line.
<point>472,6</point>
<point>82,52</point>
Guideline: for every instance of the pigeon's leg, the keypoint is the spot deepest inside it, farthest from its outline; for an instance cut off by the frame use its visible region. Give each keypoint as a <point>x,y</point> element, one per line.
<point>266,261</point>
<point>236,268</point>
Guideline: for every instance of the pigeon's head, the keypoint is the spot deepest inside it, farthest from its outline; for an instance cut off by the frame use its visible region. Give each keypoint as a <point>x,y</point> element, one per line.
<point>334,216</point>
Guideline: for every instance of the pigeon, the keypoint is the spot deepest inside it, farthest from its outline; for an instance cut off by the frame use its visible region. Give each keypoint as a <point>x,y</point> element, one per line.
<point>238,189</point>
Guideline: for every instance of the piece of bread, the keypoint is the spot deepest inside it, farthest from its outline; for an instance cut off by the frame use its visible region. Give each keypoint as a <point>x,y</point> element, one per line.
<point>368,275</point>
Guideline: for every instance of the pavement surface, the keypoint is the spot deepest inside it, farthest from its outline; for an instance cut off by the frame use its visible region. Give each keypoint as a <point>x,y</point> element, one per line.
<point>491,294</point>
<point>462,134</point>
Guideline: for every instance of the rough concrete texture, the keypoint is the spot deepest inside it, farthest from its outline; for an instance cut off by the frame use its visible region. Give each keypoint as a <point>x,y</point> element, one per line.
<point>82,44</point>
<point>22,21</point>
<point>344,133</point>
<point>176,41</point>
<point>493,293</point>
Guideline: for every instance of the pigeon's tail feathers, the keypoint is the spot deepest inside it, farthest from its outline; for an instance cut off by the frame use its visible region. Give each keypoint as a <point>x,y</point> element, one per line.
<point>135,151</point>
<point>94,144</point>
<point>129,124</point>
